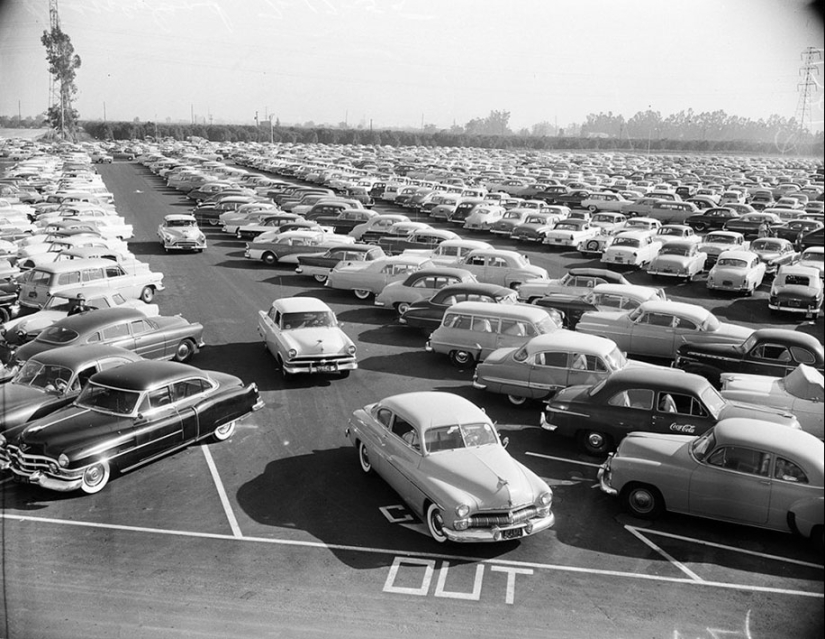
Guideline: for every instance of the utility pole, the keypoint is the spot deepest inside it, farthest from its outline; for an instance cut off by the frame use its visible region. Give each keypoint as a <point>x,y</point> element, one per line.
<point>271,131</point>
<point>811,61</point>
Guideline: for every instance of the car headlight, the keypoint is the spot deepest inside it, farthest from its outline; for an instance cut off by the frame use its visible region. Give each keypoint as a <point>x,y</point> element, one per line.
<point>351,349</point>
<point>462,510</point>
<point>291,353</point>
<point>63,460</point>
<point>546,498</point>
<point>2,439</point>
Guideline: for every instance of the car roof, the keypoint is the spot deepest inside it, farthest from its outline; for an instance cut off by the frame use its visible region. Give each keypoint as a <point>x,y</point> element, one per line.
<point>146,374</point>
<point>179,216</point>
<point>737,254</point>
<point>82,322</point>
<point>74,265</point>
<point>300,304</point>
<point>521,311</point>
<point>441,270</point>
<point>597,272</point>
<point>799,269</point>
<point>789,336</point>
<point>692,311</point>
<point>76,355</point>
<point>477,287</point>
<point>569,340</point>
<point>657,378</point>
<point>626,289</point>
<point>432,409</point>
<point>796,444</point>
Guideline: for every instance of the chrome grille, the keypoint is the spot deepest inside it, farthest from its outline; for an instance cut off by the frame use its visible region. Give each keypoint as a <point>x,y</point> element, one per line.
<point>28,462</point>
<point>502,519</point>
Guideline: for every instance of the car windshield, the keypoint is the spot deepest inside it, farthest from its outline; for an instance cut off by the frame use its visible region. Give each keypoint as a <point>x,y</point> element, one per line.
<point>675,250</point>
<point>812,256</point>
<point>615,359</point>
<point>37,375</point>
<point>564,226</point>
<point>180,223</point>
<point>597,387</point>
<point>766,245</point>
<point>721,239</point>
<point>546,325</point>
<point>459,436</point>
<point>57,335</point>
<point>108,399</point>
<point>626,241</point>
<point>314,319</point>
<point>733,262</point>
<point>711,324</point>
<point>713,400</point>
<point>636,224</point>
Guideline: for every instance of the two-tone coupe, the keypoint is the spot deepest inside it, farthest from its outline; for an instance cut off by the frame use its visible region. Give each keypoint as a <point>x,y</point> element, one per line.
<point>548,363</point>
<point>420,285</point>
<point>658,328</point>
<point>126,417</point>
<point>370,278</point>
<point>159,337</point>
<point>442,455</point>
<point>320,265</point>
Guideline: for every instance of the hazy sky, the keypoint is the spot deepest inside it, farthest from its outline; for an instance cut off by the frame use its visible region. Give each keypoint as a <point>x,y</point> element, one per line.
<point>398,62</point>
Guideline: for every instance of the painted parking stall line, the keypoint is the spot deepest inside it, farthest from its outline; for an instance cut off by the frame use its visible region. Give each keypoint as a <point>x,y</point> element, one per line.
<point>227,508</point>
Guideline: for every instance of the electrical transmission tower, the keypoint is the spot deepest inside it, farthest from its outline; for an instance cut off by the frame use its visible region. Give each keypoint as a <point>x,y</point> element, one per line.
<point>807,88</point>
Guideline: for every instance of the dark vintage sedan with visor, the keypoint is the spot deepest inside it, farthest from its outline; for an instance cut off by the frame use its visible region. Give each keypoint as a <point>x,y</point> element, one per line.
<point>124,418</point>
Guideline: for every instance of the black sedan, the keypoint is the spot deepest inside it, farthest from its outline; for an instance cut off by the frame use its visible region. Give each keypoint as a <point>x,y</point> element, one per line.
<point>659,400</point>
<point>749,224</point>
<point>150,337</point>
<point>768,351</point>
<point>712,219</point>
<point>811,238</point>
<point>427,314</point>
<point>126,417</point>
<point>795,230</point>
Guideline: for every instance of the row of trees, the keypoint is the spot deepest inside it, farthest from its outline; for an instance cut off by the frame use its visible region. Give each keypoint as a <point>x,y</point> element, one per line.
<point>777,140</point>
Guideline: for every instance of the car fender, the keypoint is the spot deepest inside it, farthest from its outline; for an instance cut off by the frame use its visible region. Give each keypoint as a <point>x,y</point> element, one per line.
<point>805,514</point>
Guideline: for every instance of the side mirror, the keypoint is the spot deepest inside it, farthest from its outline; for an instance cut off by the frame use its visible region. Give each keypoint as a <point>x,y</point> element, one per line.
<point>505,442</point>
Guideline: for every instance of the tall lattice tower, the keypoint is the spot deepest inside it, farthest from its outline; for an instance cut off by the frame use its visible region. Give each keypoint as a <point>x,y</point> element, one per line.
<point>808,88</point>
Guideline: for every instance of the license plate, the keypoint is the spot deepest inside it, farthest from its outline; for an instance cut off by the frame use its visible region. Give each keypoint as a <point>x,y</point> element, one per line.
<point>557,240</point>
<point>326,368</point>
<point>618,260</point>
<point>512,533</point>
<point>727,283</point>
<point>668,270</point>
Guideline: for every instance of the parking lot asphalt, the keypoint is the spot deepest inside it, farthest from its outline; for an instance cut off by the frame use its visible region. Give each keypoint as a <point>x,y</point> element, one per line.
<point>277,533</point>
